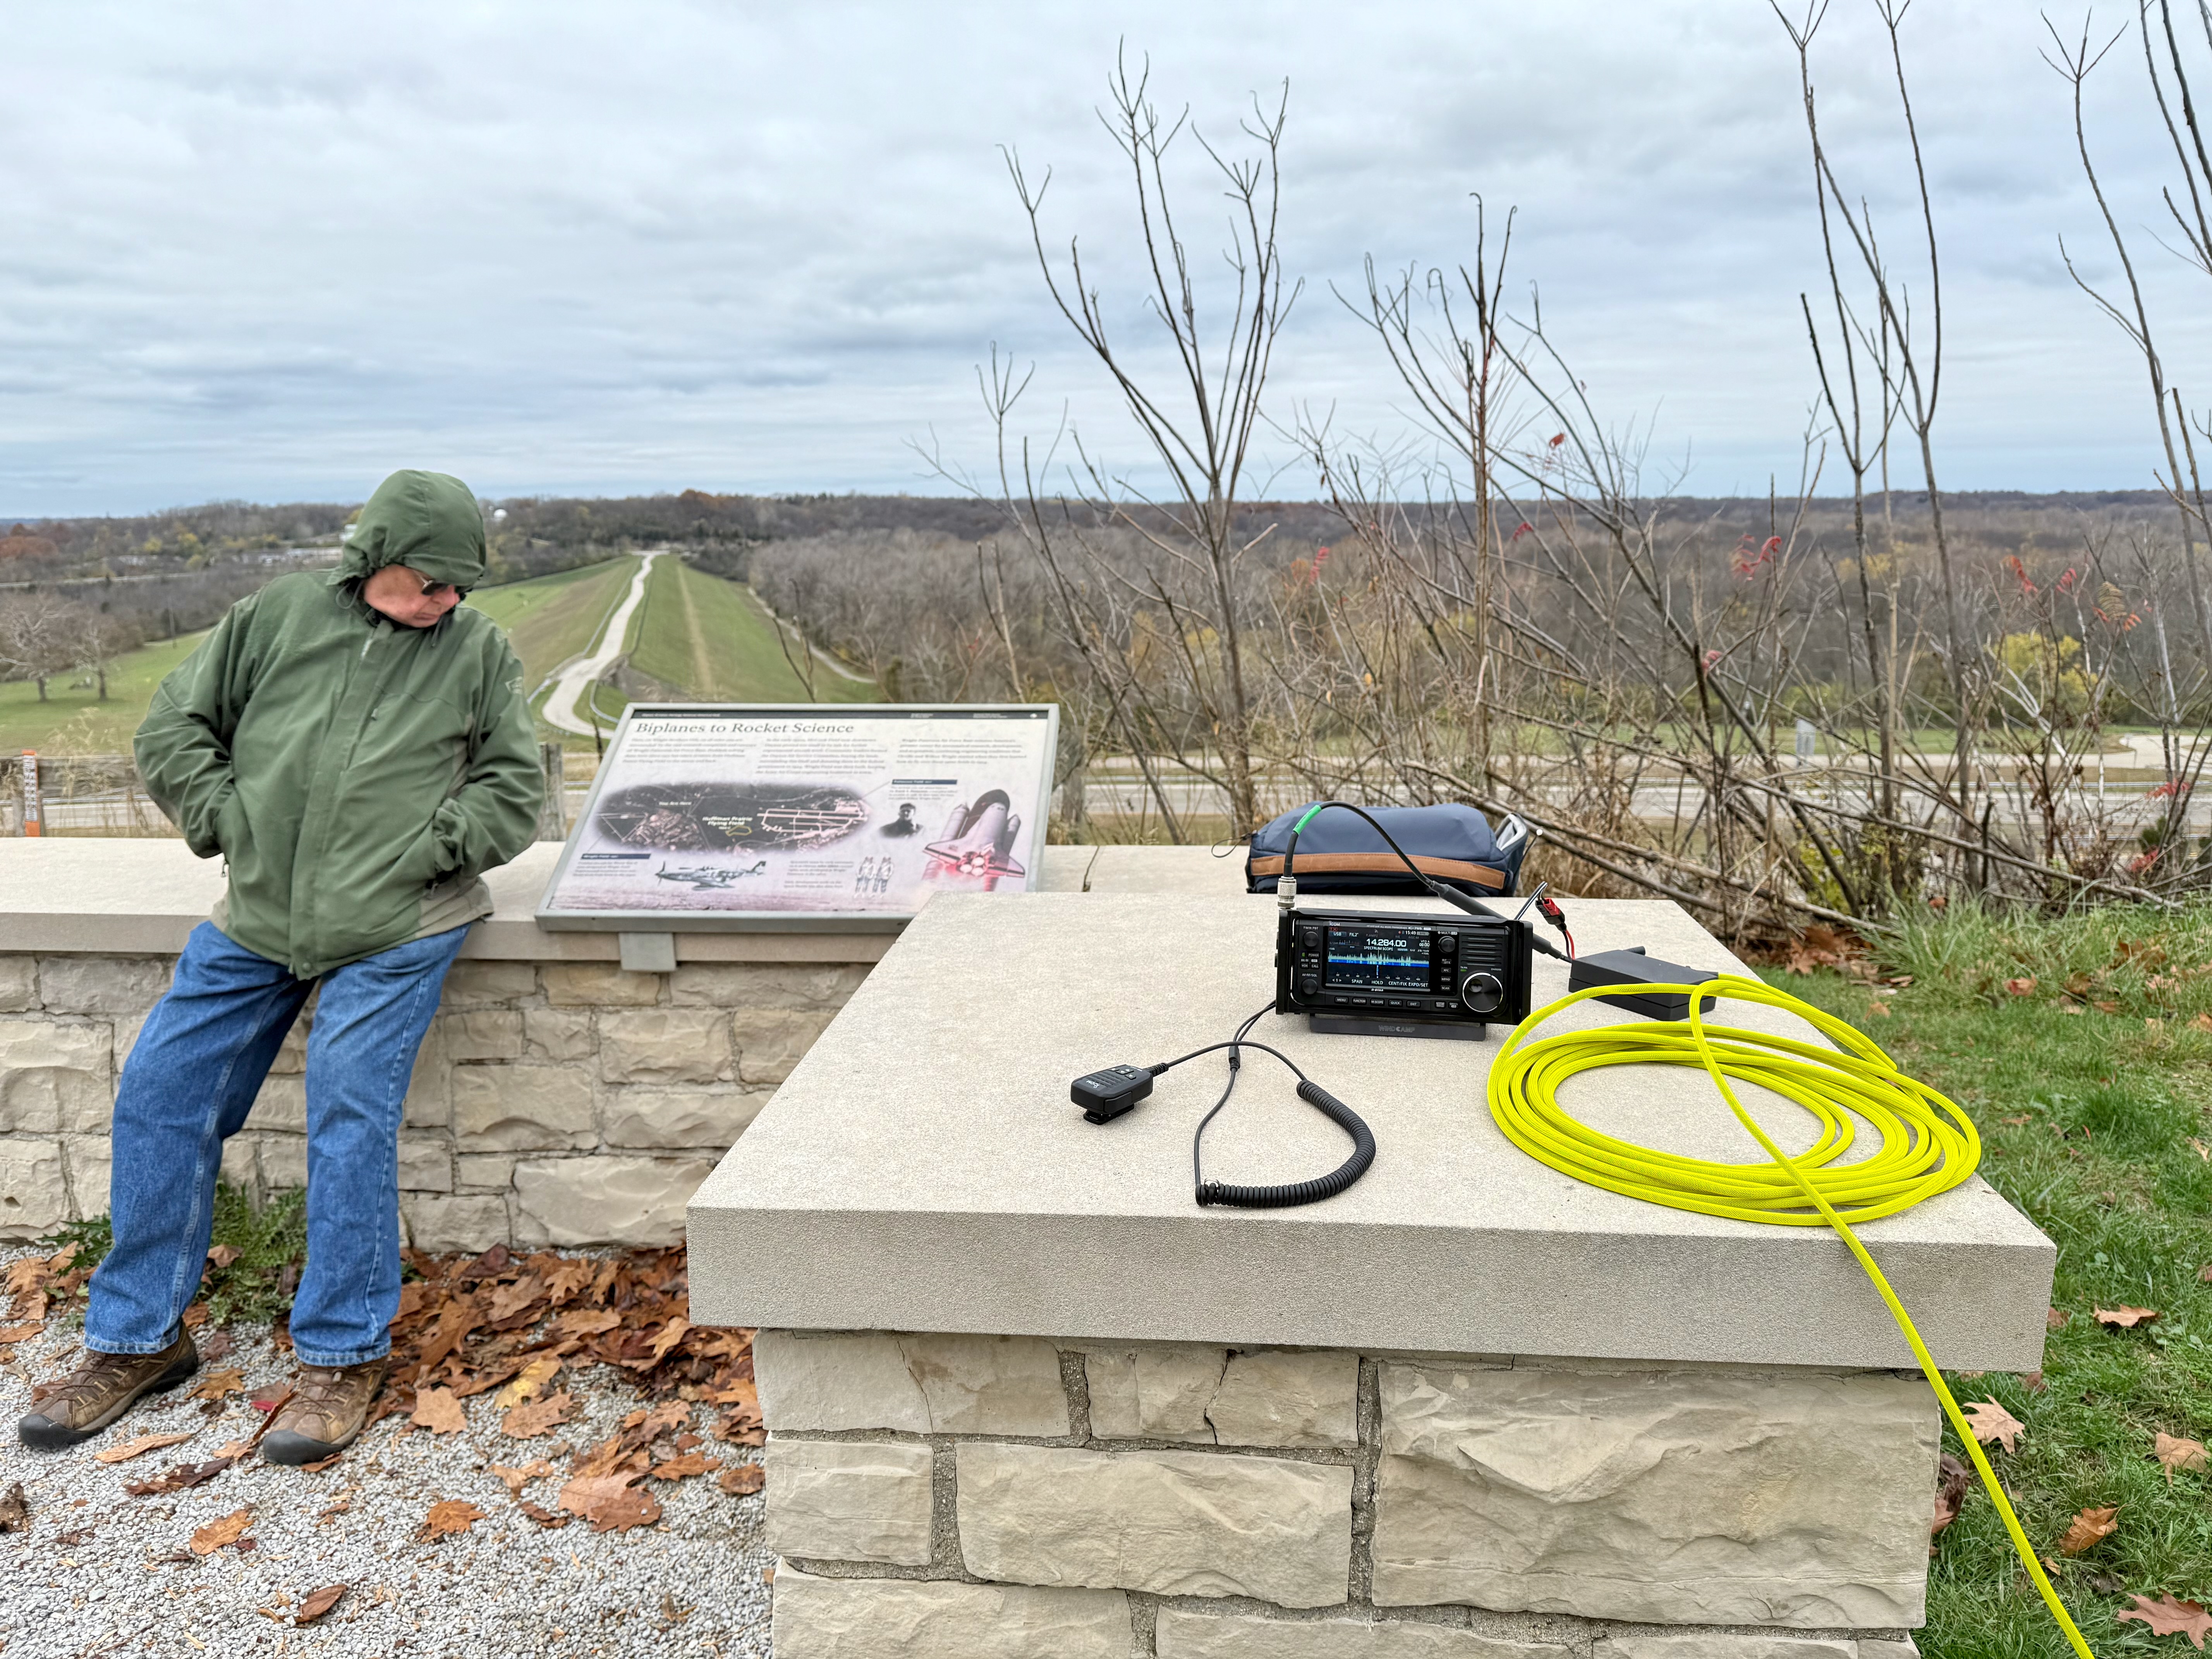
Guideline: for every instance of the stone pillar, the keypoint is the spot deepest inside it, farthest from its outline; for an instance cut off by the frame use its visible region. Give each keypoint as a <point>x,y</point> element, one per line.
<point>1015,1497</point>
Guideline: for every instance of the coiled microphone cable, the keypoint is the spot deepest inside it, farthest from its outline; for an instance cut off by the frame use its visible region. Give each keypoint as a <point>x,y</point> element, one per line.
<point>1289,1195</point>
<point>1928,1146</point>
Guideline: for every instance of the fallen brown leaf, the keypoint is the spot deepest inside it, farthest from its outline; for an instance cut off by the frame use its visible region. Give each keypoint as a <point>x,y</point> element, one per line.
<point>2056,1319</point>
<point>319,1602</point>
<point>2088,1529</point>
<point>218,1385</point>
<point>2204,1152</point>
<point>2033,1382</point>
<point>535,1375</point>
<point>683,1466</point>
<point>454,1515</point>
<point>344,1502</point>
<point>322,1463</point>
<point>670,1335</point>
<point>21,1332</point>
<point>2202,1022</point>
<point>459,1317</point>
<point>2175,1453</point>
<point>2021,987</point>
<point>217,1534</point>
<point>545,1518</point>
<point>741,1428</point>
<point>667,1417</point>
<point>27,1277</point>
<point>511,1299</point>
<point>1991,1421</point>
<point>515,1480</point>
<point>585,1322</point>
<point>181,1476</point>
<point>139,1446</point>
<point>194,1316</point>
<point>539,1417</point>
<point>610,1503</point>
<point>14,1513</point>
<point>2125,1318</point>
<point>614,1453</point>
<point>738,1391</point>
<point>221,1255</point>
<point>1954,1480</point>
<point>748,1478</point>
<point>438,1411</point>
<point>2167,1617</point>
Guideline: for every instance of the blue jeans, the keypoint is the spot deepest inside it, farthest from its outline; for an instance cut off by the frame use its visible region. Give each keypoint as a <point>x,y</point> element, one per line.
<point>186,1088</point>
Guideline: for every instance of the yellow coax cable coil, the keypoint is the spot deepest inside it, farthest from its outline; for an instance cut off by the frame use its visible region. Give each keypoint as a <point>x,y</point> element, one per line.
<point>1927,1145</point>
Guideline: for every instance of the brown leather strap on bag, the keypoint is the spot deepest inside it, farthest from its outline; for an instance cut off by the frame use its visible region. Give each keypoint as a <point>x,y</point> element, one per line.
<point>1318,864</point>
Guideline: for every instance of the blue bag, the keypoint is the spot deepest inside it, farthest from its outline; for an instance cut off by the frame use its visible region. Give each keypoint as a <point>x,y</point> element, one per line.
<point>1340,853</point>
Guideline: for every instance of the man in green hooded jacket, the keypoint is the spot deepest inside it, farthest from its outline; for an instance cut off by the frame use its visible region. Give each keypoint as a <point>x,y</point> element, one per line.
<point>358,751</point>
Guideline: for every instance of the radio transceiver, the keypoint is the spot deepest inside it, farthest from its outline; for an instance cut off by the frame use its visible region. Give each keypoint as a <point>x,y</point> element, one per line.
<point>1384,974</point>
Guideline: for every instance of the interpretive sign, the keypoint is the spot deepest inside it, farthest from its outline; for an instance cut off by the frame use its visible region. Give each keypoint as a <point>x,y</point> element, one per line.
<point>796,815</point>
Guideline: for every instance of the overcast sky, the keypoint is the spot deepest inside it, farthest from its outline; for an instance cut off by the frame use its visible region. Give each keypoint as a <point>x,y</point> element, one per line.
<point>273,252</point>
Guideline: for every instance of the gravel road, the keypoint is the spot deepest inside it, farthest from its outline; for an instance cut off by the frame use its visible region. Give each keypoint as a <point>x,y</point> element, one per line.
<point>98,1571</point>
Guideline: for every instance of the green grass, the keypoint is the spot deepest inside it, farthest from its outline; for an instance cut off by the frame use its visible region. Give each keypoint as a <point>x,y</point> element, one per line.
<point>252,1285</point>
<point>2101,1160</point>
<point>712,638</point>
<point>552,618</point>
<point>73,719</point>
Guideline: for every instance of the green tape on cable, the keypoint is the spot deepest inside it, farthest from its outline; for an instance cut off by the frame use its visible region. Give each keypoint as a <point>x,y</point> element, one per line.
<point>1929,1146</point>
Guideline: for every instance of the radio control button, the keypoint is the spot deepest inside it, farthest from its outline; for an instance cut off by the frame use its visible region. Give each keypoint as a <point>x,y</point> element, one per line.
<point>1482,994</point>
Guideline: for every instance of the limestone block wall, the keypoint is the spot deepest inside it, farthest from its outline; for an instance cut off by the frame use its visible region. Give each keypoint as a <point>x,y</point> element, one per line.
<point>565,1103</point>
<point>1014,1498</point>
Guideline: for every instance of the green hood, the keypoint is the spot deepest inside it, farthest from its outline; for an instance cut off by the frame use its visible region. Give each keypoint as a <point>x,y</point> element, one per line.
<point>428,521</point>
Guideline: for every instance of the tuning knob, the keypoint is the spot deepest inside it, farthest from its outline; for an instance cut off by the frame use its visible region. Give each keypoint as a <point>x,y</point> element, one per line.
<point>1481,993</point>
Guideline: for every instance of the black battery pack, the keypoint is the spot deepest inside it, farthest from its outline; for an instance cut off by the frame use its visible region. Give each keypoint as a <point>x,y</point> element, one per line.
<point>1632,967</point>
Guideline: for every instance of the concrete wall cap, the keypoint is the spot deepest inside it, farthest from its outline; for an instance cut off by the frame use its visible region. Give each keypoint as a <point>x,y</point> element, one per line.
<point>923,1167</point>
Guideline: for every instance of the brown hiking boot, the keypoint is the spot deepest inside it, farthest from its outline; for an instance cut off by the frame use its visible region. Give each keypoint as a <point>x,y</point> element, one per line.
<point>99,1391</point>
<point>328,1409</point>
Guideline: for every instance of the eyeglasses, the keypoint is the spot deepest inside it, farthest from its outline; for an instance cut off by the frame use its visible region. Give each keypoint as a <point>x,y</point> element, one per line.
<point>436,590</point>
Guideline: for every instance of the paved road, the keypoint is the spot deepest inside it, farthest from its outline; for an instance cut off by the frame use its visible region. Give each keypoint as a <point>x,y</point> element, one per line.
<point>559,710</point>
<point>1114,792</point>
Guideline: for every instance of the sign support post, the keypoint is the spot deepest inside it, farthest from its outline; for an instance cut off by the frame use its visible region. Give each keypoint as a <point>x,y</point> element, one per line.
<point>33,813</point>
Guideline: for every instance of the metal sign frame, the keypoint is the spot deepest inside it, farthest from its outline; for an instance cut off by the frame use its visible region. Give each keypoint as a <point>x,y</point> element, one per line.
<point>1031,837</point>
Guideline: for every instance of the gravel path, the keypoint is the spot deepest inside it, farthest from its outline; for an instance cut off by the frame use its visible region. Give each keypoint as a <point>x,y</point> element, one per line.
<point>98,1571</point>
<point>560,706</point>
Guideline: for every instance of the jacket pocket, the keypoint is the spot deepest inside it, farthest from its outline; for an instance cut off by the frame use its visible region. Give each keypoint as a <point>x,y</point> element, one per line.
<point>418,867</point>
<point>233,831</point>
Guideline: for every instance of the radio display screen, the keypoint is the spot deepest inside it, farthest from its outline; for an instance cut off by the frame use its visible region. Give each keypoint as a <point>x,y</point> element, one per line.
<point>1369,958</point>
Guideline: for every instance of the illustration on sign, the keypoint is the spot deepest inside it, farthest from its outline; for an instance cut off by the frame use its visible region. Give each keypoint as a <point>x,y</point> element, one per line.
<point>855,811</point>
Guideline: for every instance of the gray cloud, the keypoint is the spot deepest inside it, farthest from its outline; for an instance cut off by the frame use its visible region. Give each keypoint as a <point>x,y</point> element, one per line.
<point>272,252</point>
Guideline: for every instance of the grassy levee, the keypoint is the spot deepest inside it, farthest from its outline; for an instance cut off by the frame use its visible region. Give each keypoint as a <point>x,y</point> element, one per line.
<point>549,619</point>
<point>712,637</point>
<point>2095,1125</point>
<point>552,618</point>
<point>73,719</point>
